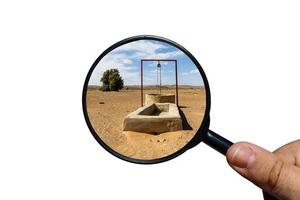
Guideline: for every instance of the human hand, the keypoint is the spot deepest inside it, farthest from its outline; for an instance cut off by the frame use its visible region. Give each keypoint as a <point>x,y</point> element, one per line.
<point>277,173</point>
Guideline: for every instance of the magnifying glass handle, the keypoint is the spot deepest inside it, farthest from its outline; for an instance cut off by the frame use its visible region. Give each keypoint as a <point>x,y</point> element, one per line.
<point>217,142</point>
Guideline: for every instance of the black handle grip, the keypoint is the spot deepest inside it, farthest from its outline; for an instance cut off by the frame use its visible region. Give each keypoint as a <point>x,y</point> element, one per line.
<point>217,142</point>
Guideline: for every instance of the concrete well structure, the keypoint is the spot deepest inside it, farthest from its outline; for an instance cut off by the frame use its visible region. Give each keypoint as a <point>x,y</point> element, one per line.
<point>154,118</point>
<point>159,98</point>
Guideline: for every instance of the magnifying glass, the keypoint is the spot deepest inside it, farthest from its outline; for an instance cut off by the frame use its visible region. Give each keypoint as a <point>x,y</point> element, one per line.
<point>146,100</point>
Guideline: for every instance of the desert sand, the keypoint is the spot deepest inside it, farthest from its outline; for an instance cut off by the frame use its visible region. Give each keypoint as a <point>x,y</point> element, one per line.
<point>106,111</point>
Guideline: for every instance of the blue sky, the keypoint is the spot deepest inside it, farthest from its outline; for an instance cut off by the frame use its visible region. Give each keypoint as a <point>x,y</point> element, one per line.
<point>127,58</point>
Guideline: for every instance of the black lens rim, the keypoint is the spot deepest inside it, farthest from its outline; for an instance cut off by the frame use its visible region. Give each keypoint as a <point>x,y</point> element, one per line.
<point>200,132</point>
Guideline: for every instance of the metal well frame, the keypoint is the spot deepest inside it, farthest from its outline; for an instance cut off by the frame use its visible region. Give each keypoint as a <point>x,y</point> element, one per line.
<point>158,60</point>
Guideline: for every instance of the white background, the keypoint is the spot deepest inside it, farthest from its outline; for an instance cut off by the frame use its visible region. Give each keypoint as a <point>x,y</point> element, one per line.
<point>249,51</point>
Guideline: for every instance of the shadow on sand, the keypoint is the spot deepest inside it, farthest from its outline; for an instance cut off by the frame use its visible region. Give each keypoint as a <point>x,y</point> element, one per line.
<point>182,107</point>
<point>185,123</point>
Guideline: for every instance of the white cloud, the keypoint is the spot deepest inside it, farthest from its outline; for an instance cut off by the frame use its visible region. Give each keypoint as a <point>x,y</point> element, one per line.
<point>127,61</point>
<point>141,46</point>
<point>193,71</point>
<point>124,56</point>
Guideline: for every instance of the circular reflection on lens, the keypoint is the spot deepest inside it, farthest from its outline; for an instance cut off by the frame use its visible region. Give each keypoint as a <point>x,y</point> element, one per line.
<point>145,99</point>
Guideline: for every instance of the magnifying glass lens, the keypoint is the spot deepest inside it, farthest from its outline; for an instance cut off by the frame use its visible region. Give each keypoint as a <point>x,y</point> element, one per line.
<point>145,100</point>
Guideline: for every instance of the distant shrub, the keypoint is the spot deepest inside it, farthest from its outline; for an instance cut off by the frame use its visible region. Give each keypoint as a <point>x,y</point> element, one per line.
<point>111,80</point>
<point>104,88</point>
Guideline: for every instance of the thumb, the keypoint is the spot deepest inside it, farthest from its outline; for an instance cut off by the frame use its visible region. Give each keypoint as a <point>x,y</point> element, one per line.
<point>265,170</point>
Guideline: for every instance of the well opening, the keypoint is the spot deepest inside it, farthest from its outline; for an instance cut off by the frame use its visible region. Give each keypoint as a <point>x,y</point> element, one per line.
<point>155,110</point>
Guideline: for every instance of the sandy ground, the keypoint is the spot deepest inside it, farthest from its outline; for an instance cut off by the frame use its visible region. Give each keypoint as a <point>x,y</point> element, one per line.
<point>107,110</point>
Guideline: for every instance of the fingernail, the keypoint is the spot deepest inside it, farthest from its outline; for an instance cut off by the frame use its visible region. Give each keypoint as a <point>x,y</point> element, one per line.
<point>241,156</point>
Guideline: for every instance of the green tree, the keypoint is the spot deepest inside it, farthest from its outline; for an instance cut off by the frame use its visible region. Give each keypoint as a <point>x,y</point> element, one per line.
<point>112,80</point>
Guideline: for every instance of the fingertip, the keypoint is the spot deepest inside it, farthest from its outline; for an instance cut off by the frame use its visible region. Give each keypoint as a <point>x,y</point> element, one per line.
<point>240,155</point>
<point>231,151</point>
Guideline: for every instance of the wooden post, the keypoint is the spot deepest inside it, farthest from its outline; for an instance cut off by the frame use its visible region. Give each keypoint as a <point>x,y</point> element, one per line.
<point>142,95</point>
<point>176,82</point>
<point>160,80</point>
